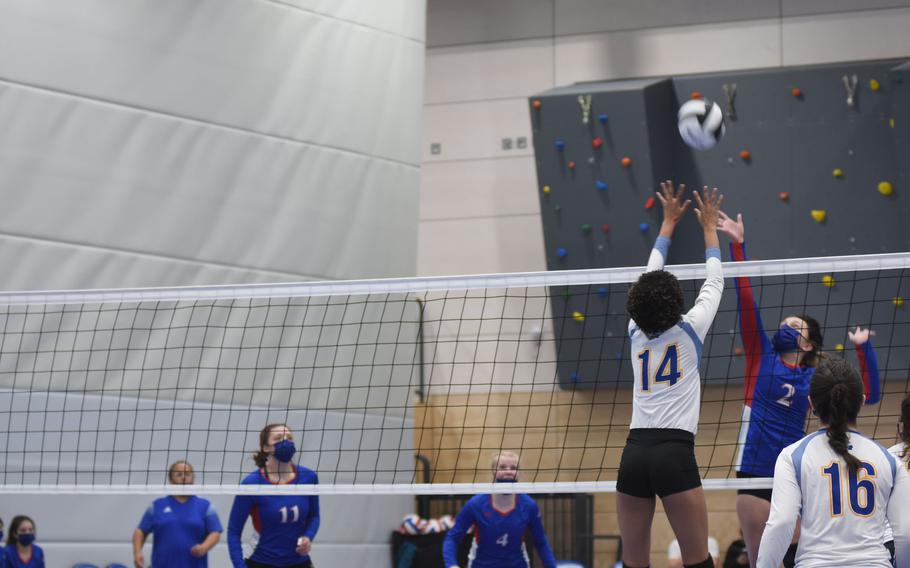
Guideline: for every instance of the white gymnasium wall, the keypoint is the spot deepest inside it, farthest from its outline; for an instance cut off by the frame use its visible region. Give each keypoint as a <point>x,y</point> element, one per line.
<point>479,208</point>
<point>147,143</point>
<point>216,141</point>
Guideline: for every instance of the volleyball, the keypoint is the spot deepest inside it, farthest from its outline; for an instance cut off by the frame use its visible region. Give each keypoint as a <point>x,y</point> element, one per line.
<point>411,524</point>
<point>431,526</point>
<point>701,123</point>
<point>447,522</point>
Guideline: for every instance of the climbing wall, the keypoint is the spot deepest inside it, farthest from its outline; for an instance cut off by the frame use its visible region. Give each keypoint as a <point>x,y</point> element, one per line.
<point>813,173</point>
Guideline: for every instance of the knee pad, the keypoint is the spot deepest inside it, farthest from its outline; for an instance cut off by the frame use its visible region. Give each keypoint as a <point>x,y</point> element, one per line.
<point>706,563</point>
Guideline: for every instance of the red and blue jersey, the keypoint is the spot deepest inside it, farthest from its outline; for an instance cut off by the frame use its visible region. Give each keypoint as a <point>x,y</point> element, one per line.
<point>177,528</point>
<point>13,560</point>
<point>499,536</point>
<point>777,394</point>
<point>280,521</point>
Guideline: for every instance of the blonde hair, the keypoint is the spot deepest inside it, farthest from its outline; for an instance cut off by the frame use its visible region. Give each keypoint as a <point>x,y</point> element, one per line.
<point>494,461</point>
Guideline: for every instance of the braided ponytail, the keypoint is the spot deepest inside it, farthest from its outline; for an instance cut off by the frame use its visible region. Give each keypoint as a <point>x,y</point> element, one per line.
<point>837,395</point>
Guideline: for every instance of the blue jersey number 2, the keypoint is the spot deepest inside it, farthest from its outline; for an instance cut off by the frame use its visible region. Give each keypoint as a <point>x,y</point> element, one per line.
<point>667,371</point>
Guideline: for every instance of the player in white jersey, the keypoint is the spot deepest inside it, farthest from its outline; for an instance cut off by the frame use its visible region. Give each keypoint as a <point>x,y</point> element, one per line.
<point>839,482</point>
<point>666,342</point>
<point>901,492</point>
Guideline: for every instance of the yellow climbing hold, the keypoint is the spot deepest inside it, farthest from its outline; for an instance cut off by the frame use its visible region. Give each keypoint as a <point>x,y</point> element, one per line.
<point>891,122</point>
<point>546,190</point>
<point>897,301</point>
<point>828,281</point>
<point>885,188</point>
<point>819,215</point>
<point>839,347</point>
<point>838,173</point>
<point>578,316</point>
<point>874,85</point>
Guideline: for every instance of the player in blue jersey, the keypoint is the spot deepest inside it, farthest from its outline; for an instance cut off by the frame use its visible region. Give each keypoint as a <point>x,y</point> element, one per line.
<point>840,484</point>
<point>776,397</point>
<point>499,521</point>
<point>666,344</point>
<point>3,563</point>
<point>21,552</point>
<point>286,524</point>
<point>185,527</point>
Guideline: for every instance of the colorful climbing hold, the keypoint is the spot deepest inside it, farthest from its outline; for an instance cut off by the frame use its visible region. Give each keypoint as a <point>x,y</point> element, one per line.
<point>586,229</point>
<point>578,316</point>
<point>838,173</point>
<point>650,203</point>
<point>605,228</point>
<point>885,188</point>
<point>745,155</point>
<point>626,161</point>
<point>874,85</point>
<point>561,252</point>
<point>738,350</point>
<point>601,185</point>
<point>602,292</point>
<point>783,196</point>
<point>819,215</point>
<point>839,347</point>
<point>546,190</point>
<point>796,92</point>
<point>571,165</point>
<point>560,144</point>
<point>828,281</point>
<point>695,95</point>
<point>602,118</point>
<point>643,227</point>
<point>597,142</point>
<point>897,301</point>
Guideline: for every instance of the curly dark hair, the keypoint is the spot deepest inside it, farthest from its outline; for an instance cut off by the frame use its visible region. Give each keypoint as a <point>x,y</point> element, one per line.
<point>836,392</point>
<point>655,302</point>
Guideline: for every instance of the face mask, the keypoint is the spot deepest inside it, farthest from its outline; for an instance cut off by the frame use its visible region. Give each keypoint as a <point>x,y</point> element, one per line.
<point>26,539</point>
<point>284,451</point>
<point>786,339</point>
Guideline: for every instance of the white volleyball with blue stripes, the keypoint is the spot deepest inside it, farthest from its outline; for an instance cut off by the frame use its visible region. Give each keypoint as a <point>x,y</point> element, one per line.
<point>411,524</point>
<point>701,123</point>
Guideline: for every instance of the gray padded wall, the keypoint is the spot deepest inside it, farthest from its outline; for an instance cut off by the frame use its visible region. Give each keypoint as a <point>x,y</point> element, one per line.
<point>795,144</point>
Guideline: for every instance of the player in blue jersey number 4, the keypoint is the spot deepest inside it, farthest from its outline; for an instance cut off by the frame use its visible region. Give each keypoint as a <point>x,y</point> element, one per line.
<point>499,522</point>
<point>286,524</point>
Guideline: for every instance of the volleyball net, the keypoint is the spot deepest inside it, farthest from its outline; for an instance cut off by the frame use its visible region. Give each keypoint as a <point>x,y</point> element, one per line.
<point>394,386</point>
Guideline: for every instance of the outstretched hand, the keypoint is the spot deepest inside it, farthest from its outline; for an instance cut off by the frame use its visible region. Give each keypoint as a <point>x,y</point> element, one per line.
<point>708,207</point>
<point>733,229</point>
<point>859,335</point>
<point>672,200</point>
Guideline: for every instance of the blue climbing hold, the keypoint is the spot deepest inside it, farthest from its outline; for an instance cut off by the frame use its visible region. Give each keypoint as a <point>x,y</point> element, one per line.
<point>643,227</point>
<point>602,292</point>
<point>601,185</point>
<point>603,118</point>
<point>561,252</point>
<point>560,144</point>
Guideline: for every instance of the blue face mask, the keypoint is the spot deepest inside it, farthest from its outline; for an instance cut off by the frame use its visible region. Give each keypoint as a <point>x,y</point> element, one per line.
<point>26,539</point>
<point>786,339</point>
<point>284,451</point>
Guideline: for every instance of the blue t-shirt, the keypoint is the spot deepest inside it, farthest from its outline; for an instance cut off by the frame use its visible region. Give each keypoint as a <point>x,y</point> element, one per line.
<point>13,560</point>
<point>178,527</point>
<point>499,537</point>
<point>280,521</point>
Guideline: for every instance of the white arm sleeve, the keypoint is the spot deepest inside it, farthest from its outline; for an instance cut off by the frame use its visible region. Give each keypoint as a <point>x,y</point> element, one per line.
<point>658,254</point>
<point>702,313</point>
<point>899,515</point>
<point>786,498</point>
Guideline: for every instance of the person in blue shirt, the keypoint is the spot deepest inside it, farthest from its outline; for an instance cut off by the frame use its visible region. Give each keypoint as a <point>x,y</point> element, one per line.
<point>778,372</point>
<point>185,526</point>
<point>499,522</point>
<point>21,552</point>
<point>286,524</point>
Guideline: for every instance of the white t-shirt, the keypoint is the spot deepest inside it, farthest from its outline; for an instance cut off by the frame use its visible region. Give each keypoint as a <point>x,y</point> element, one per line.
<point>667,389</point>
<point>842,515</point>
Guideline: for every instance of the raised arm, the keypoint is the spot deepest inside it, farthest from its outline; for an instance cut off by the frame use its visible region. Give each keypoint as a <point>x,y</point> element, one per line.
<point>463,522</point>
<point>786,498</point>
<point>755,342</point>
<point>868,363</point>
<point>674,207</point>
<point>702,313</point>
<point>540,540</point>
